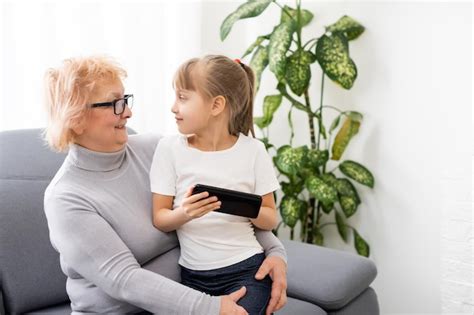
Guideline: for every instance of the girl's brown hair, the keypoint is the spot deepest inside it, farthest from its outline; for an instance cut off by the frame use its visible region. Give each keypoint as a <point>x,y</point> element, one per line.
<point>222,76</point>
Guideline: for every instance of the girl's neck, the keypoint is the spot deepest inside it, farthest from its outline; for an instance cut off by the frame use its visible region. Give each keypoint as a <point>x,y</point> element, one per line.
<point>212,141</point>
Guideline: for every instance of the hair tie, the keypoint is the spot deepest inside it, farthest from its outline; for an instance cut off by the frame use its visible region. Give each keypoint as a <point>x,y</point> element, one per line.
<point>240,63</point>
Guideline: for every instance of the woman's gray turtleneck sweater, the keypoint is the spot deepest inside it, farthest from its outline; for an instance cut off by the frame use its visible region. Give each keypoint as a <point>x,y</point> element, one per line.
<point>99,215</point>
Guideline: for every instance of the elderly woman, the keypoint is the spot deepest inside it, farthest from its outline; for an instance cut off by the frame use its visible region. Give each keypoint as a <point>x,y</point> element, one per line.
<point>99,204</point>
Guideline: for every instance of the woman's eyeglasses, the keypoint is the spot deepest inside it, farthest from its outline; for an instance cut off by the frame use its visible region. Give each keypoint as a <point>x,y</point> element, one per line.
<point>118,104</point>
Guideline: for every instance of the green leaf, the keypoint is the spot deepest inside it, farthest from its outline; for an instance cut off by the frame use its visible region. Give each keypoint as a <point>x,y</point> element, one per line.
<point>347,26</point>
<point>255,44</point>
<point>314,159</point>
<point>357,172</point>
<point>293,188</point>
<point>267,143</point>
<point>291,209</point>
<point>334,124</point>
<point>318,238</point>
<point>327,208</point>
<point>329,178</point>
<point>348,130</point>
<point>290,160</point>
<point>298,71</point>
<point>317,158</point>
<point>348,204</point>
<point>356,116</point>
<point>270,105</point>
<point>361,245</point>
<point>258,63</point>
<point>249,9</point>
<point>332,53</point>
<point>341,226</point>
<point>344,187</point>
<point>306,16</point>
<point>322,191</point>
<point>280,42</point>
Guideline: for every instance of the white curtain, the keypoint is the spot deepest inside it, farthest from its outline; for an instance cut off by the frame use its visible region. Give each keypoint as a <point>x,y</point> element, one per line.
<point>150,39</point>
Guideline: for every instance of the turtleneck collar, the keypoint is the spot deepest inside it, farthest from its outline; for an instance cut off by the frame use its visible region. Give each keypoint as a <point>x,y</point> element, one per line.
<point>96,161</point>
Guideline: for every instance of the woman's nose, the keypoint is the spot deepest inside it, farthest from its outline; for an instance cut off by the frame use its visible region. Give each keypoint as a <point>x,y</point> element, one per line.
<point>127,113</point>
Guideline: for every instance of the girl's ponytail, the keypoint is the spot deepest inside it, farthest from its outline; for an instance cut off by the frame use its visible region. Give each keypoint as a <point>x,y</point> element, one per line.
<point>247,112</point>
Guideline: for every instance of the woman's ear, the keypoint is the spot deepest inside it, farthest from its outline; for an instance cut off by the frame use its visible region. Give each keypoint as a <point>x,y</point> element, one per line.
<point>79,127</point>
<point>218,105</point>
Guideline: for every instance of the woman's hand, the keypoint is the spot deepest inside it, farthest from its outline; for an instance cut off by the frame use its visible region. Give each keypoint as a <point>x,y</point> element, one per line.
<point>276,268</point>
<point>229,304</point>
<point>195,206</point>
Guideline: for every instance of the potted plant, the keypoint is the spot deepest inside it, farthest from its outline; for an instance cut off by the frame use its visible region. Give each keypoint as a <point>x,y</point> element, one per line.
<point>311,192</point>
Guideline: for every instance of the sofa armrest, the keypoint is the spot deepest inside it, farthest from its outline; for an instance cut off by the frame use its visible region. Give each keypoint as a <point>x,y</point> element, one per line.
<point>326,277</point>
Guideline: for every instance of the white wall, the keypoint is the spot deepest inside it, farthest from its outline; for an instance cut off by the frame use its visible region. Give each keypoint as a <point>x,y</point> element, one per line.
<point>414,62</point>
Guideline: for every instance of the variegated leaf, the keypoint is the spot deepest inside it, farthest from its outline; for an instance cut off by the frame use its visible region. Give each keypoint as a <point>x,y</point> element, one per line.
<point>249,9</point>
<point>298,71</point>
<point>306,16</point>
<point>361,245</point>
<point>318,238</point>
<point>319,189</point>
<point>254,45</point>
<point>270,105</point>
<point>258,63</point>
<point>291,209</point>
<point>348,130</point>
<point>290,160</point>
<point>348,204</point>
<point>280,41</point>
<point>329,178</point>
<point>345,187</point>
<point>341,226</point>
<point>347,26</point>
<point>332,53</point>
<point>357,172</point>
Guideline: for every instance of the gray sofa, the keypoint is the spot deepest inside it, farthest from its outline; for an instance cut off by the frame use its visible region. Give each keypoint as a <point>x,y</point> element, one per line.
<point>320,280</point>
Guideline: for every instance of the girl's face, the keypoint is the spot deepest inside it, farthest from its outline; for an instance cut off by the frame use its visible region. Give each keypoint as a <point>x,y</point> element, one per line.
<point>102,130</point>
<point>192,111</point>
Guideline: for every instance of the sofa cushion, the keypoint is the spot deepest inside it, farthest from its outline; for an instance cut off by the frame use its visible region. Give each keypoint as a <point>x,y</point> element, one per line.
<point>337,276</point>
<point>30,273</point>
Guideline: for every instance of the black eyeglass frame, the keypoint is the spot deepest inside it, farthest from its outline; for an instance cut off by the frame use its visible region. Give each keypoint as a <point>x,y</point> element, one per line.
<point>114,102</point>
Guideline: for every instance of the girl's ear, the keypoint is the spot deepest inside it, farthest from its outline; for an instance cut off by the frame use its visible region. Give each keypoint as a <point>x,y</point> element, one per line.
<point>218,105</point>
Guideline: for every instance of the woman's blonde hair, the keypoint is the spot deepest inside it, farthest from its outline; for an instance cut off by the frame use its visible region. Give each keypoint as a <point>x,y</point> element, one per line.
<point>68,91</point>
<point>220,76</point>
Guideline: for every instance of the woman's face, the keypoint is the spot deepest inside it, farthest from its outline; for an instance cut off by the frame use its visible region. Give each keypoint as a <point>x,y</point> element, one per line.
<point>102,130</point>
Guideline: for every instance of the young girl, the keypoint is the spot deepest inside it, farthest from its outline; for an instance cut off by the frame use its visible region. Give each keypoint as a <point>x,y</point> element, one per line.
<point>213,110</point>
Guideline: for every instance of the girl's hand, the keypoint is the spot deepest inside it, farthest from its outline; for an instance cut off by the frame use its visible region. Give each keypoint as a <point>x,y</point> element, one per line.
<point>195,206</point>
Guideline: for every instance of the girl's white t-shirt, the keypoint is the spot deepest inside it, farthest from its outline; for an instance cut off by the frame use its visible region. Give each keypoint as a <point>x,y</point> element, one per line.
<point>214,240</point>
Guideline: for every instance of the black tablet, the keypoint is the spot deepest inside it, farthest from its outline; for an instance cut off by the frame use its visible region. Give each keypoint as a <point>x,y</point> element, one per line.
<point>232,201</point>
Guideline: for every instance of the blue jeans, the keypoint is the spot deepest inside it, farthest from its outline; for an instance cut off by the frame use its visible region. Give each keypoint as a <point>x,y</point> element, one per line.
<point>223,281</point>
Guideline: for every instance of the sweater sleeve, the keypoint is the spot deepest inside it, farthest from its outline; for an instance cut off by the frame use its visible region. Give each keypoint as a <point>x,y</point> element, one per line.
<point>89,245</point>
<point>271,244</point>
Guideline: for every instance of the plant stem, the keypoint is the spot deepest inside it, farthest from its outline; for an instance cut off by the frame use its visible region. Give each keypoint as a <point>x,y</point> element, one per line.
<point>309,42</point>
<point>283,9</point>
<point>290,122</point>
<point>320,118</point>
<point>294,102</point>
<point>329,106</point>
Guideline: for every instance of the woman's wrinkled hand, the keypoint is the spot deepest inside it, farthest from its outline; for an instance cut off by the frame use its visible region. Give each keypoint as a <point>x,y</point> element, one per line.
<point>229,304</point>
<point>275,267</point>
